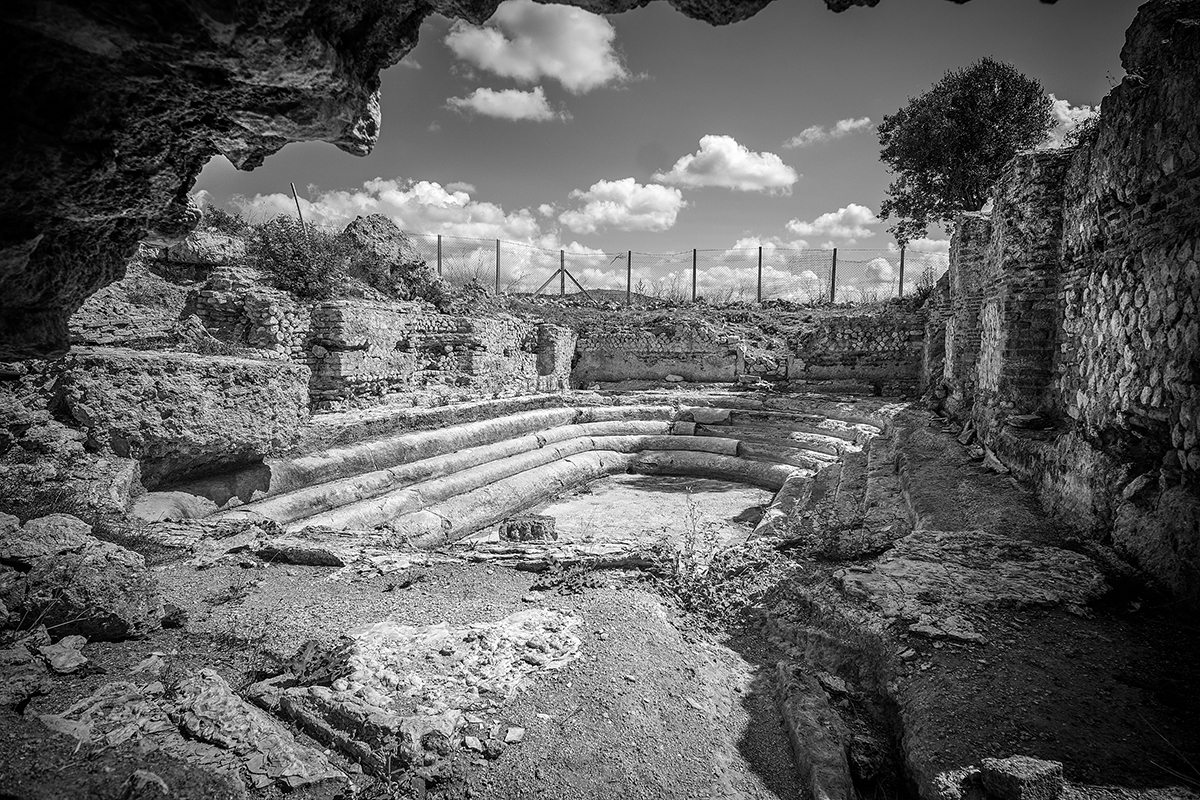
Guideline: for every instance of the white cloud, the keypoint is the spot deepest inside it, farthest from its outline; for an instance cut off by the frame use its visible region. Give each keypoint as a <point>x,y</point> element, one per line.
<point>511,104</point>
<point>415,206</point>
<point>879,270</point>
<point>625,205</point>
<point>434,127</point>
<point>818,133</point>
<point>721,161</point>
<point>1066,118</point>
<point>769,244</point>
<point>924,245</point>
<point>528,41</point>
<point>848,222</point>
<point>461,186</point>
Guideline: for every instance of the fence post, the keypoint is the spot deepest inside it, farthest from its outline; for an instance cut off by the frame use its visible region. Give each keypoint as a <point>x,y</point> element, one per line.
<point>760,273</point>
<point>562,273</point>
<point>439,255</point>
<point>497,266</point>
<point>299,216</point>
<point>833,279</point>
<point>693,275</point>
<point>629,278</point>
<point>902,270</point>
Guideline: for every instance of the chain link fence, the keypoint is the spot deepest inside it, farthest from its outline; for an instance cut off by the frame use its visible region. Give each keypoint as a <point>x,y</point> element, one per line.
<point>844,275</point>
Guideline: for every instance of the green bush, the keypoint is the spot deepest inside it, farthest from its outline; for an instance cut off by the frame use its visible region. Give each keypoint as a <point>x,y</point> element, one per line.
<point>309,263</point>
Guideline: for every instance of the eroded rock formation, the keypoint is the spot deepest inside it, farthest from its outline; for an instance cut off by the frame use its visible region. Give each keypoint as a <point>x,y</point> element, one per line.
<point>115,106</point>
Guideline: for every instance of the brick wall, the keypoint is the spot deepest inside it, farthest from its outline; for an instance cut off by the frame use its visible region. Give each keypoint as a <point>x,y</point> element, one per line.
<point>1019,279</point>
<point>968,250</point>
<point>1079,300</point>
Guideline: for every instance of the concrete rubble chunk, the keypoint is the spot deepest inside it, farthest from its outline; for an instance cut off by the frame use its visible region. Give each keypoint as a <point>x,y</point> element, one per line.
<point>1022,778</point>
<point>394,695</point>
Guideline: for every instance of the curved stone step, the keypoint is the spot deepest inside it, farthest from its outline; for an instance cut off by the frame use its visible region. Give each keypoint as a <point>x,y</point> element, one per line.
<point>772,437</point>
<point>278,475</point>
<point>330,495</point>
<point>463,514</point>
<point>380,510</point>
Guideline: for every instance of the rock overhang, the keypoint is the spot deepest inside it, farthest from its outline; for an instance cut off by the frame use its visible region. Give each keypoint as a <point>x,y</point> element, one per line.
<point>115,107</point>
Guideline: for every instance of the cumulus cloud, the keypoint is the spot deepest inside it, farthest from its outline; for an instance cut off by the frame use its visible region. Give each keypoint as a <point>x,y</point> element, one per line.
<point>625,205</point>
<point>722,161</point>
<point>416,206</point>
<point>511,104</point>
<point>879,270</point>
<point>818,133</point>
<point>1066,118</point>
<point>851,221</point>
<point>528,41</point>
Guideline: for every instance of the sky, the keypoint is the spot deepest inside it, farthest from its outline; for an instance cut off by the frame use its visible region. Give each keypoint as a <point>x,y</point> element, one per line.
<point>652,132</point>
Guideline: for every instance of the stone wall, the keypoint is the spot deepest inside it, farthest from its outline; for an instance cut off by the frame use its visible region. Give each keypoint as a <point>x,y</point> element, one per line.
<point>180,414</point>
<point>1081,370</point>
<point>1018,287</point>
<point>362,350</point>
<point>968,248</point>
<point>882,348</point>
<point>236,307</point>
<point>140,308</point>
<point>653,352</point>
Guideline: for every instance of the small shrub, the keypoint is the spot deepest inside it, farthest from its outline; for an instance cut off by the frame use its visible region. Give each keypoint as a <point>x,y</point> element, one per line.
<point>720,584</point>
<point>310,263</point>
<point>221,221</point>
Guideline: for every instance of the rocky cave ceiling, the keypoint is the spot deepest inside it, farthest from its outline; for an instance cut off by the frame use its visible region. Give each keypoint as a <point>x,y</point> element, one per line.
<point>114,106</point>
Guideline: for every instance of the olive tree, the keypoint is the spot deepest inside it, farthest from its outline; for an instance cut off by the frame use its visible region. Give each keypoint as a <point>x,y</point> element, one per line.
<point>946,147</point>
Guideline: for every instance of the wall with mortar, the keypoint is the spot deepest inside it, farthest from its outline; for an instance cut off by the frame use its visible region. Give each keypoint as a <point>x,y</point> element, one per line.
<point>654,353</point>
<point>362,351</point>
<point>883,348</point>
<point>1088,292</point>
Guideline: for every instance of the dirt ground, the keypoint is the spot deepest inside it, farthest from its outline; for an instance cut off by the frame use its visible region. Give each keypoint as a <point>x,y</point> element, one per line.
<point>655,707</point>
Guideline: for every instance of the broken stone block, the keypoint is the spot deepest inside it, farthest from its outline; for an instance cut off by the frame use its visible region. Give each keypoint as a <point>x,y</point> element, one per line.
<point>22,676</point>
<point>994,464</point>
<point>65,656</point>
<point>710,416</point>
<point>102,592</point>
<point>76,584</point>
<point>528,528</point>
<point>1022,778</point>
<point>674,379</point>
<point>817,733</point>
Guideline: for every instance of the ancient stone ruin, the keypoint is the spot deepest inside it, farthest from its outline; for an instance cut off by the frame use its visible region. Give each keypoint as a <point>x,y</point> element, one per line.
<point>415,543</point>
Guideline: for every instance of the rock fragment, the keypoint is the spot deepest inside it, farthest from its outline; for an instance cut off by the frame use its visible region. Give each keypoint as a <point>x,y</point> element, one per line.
<point>1022,778</point>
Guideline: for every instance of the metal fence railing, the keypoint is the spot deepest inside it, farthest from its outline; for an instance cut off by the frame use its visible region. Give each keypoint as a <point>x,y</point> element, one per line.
<point>842,275</point>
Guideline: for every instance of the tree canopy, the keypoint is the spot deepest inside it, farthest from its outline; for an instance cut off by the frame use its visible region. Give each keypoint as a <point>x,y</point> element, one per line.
<point>946,147</point>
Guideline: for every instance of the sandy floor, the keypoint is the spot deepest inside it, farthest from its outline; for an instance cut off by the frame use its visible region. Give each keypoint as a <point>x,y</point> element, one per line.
<point>626,508</point>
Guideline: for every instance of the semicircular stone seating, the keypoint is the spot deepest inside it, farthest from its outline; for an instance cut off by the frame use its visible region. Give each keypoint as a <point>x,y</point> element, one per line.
<point>429,487</point>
